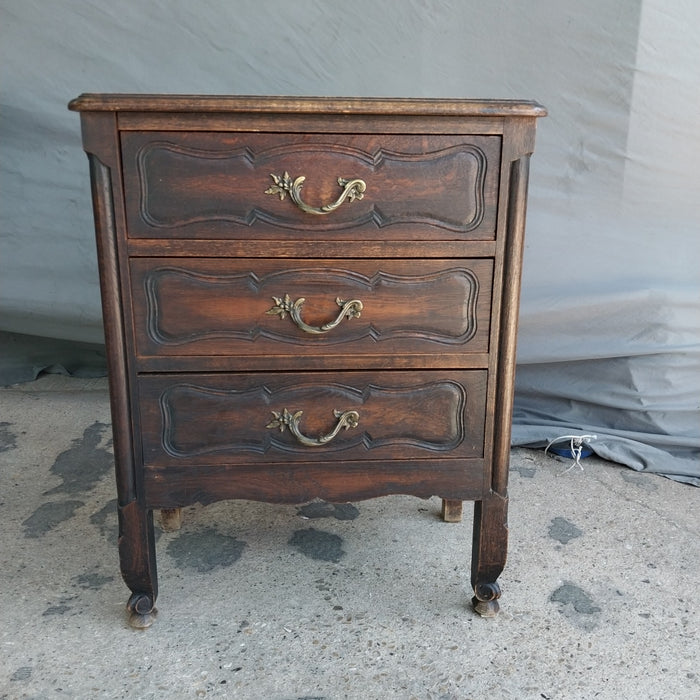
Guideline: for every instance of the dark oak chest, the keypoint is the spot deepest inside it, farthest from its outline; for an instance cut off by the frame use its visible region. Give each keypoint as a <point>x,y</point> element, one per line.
<point>309,298</point>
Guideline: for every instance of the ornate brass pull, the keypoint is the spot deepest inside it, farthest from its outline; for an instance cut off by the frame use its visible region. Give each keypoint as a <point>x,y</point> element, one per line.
<point>285,419</point>
<point>285,184</point>
<point>284,306</point>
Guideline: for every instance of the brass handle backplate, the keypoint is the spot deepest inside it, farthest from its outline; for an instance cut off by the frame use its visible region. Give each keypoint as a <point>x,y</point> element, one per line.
<point>284,305</point>
<point>285,184</point>
<point>286,419</point>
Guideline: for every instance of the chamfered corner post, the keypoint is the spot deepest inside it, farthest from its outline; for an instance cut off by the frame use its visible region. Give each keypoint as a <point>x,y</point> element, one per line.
<point>490,533</point>
<point>136,537</point>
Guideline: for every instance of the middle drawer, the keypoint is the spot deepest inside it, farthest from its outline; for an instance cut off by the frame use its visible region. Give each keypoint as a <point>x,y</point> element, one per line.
<point>210,307</point>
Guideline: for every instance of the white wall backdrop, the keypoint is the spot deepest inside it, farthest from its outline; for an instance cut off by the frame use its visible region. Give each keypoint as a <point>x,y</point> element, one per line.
<point>610,318</point>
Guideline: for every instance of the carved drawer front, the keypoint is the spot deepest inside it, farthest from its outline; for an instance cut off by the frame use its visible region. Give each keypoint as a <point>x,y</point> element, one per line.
<point>313,417</point>
<point>222,185</point>
<point>198,307</point>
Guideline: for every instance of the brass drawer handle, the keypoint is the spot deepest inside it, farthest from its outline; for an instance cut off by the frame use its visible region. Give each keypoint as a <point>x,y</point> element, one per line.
<point>285,419</point>
<point>285,184</point>
<point>284,306</point>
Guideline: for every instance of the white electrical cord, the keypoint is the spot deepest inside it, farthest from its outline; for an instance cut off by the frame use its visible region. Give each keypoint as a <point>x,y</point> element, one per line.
<point>576,447</point>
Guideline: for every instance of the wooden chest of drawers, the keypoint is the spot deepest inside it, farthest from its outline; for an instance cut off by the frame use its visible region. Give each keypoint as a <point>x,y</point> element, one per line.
<point>309,298</point>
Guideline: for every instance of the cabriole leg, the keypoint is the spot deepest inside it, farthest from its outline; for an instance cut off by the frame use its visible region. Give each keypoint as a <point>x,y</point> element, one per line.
<point>137,555</point>
<point>489,550</point>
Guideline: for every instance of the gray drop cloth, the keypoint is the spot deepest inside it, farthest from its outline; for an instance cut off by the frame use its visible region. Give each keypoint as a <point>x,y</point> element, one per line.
<point>613,400</point>
<point>625,368</point>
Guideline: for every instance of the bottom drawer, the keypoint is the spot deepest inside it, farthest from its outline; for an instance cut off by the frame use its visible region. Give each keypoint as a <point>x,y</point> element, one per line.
<point>251,418</point>
<point>292,437</point>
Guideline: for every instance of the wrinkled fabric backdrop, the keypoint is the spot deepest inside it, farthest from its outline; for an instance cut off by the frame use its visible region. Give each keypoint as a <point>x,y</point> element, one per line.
<point>609,339</point>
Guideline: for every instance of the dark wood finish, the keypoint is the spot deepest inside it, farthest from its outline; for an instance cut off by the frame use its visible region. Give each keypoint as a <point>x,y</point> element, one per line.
<point>223,419</point>
<point>489,548</point>
<point>299,123</point>
<point>213,307</point>
<point>376,249</point>
<point>322,362</point>
<point>245,335</point>
<point>213,185</point>
<point>301,482</point>
<point>257,106</point>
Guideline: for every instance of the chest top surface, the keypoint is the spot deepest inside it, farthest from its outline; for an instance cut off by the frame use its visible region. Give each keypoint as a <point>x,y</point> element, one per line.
<point>306,105</point>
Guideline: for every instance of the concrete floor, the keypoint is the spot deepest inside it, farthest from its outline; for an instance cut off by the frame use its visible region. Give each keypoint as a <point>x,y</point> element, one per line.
<point>369,600</point>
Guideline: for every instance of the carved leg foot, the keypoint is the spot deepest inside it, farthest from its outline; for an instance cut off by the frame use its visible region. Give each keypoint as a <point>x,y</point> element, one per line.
<point>451,510</point>
<point>170,519</point>
<point>485,600</point>
<point>142,611</point>
<point>489,548</point>
<point>137,555</point>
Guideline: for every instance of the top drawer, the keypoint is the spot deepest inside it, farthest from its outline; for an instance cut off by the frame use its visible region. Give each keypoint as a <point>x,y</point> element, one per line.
<point>229,185</point>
